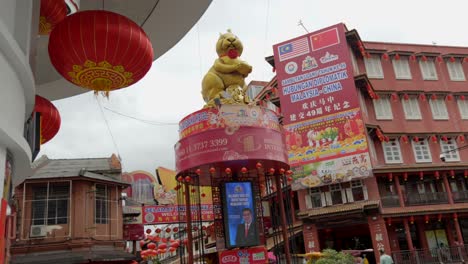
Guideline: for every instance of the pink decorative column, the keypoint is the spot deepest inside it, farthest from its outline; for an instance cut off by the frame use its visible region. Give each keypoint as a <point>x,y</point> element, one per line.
<point>408,234</point>
<point>400,193</point>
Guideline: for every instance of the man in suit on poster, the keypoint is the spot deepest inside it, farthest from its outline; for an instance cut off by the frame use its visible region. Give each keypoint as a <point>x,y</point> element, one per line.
<point>247,232</point>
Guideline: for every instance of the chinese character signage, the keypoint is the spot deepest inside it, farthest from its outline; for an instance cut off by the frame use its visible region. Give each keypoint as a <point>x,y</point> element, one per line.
<point>325,134</point>
<point>254,255</point>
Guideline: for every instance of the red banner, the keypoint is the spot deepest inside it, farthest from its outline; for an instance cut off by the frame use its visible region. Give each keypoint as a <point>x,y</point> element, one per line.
<point>255,255</point>
<point>133,232</point>
<point>325,134</point>
<point>165,214</point>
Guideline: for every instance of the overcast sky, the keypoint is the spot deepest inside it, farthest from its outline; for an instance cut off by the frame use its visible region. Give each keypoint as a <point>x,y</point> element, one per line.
<point>171,89</point>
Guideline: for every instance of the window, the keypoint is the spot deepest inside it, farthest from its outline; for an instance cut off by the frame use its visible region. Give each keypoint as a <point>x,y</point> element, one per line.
<point>421,150</point>
<point>102,207</point>
<point>383,109</point>
<point>428,69</point>
<point>401,68</point>
<point>373,67</point>
<point>315,198</point>
<point>392,151</point>
<point>449,149</point>
<point>357,190</point>
<point>50,204</point>
<point>455,70</point>
<point>254,90</point>
<point>439,109</point>
<point>362,102</point>
<point>411,108</point>
<point>463,108</point>
<point>336,195</point>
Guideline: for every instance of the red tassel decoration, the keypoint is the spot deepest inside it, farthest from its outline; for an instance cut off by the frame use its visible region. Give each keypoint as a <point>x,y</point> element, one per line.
<point>394,97</point>
<point>434,97</point>
<point>404,138</point>
<point>462,97</point>
<point>439,59</point>
<point>449,97</point>
<point>434,139</point>
<point>385,56</point>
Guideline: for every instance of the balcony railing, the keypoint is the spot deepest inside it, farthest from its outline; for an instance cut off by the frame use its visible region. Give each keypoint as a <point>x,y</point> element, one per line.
<point>432,256</point>
<point>461,196</point>
<point>390,201</point>
<point>426,198</point>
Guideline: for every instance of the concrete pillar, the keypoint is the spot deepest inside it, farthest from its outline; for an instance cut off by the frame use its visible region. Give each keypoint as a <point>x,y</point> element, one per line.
<point>400,193</point>
<point>448,189</point>
<point>311,237</point>
<point>379,235</point>
<point>458,230</point>
<point>409,240</point>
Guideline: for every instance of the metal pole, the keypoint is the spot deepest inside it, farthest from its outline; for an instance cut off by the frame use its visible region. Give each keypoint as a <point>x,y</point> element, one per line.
<point>188,212</point>
<point>284,226</point>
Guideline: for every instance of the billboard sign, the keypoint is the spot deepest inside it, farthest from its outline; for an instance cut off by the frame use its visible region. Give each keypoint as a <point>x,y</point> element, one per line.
<point>325,133</point>
<point>167,214</point>
<point>254,255</point>
<point>239,215</point>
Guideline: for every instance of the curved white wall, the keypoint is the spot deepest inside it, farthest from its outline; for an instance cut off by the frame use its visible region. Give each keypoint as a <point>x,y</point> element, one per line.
<point>17,91</point>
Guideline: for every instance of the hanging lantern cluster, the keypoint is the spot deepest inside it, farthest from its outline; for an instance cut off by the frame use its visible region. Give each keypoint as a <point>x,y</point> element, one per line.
<point>100,50</point>
<point>49,118</point>
<point>52,12</point>
<point>361,48</point>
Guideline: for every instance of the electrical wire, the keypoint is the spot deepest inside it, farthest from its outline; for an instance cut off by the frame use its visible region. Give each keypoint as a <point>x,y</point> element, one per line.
<point>150,13</point>
<point>155,123</point>
<point>108,127</point>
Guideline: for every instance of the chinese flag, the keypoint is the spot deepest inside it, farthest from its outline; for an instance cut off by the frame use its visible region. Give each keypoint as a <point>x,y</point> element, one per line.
<point>325,39</point>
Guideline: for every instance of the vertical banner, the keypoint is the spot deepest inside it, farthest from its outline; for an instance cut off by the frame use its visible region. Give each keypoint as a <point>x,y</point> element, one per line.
<point>325,134</point>
<point>239,215</point>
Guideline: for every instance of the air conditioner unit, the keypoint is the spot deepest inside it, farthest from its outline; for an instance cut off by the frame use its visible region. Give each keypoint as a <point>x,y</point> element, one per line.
<point>38,231</point>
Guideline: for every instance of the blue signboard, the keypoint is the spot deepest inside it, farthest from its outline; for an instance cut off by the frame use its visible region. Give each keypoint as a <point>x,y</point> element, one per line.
<point>239,215</point>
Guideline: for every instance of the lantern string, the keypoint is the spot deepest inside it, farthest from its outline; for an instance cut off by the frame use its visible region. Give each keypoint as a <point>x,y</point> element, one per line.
<point>150,13</point>
<point>156,123</point>
<point>108,127</point>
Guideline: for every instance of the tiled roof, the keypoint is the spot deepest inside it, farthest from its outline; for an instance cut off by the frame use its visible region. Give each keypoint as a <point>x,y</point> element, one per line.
<point>105,169</point>
<point>340,209</point>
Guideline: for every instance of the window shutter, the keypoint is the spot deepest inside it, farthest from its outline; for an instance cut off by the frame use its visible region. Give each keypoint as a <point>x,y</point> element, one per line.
<point>349,195</point>
<point>308,201</point>
<point>323,199</point>
<point>364,190</point>
<point>328,198</point>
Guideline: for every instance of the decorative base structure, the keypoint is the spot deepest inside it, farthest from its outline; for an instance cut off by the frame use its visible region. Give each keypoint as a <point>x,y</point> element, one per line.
<point>237,150</point>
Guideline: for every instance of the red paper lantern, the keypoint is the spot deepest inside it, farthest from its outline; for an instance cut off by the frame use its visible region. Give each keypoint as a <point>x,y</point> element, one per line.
<point>462,97</point>
<point>148,231</point>
<point>452,59</point>
<point>187,179</point>
<point>259,165</point>
<point>406,97</point>
<point>389,221</point>
<point>461,138</point>
<point>228,171</point>
<point>390,177</point>
<point>162,246</point>
<point>455,216</point>
<point>416,139</point>
<point>397,56</point>
<point>272,171</point>
<point>180,178</point>
<point>151,245</point>
<point>282,171</point>
<point>437,175</point>
<point>175,229</point>
<point>426,219</point>
<point>405,176</point>
<point>158,230</point>
<point>424,58</point>
<point>290,179</point>
<point>52,12</point>
<point>168,230</point>
<point>439,59</point>
<point>434,97</point>
<point>212,170</point>
<point>385,56</point>
<point>422,97</point>
<point>244,170</point>
<point>387,139</point>
<point>50,118</point>
<point>421,175</point>
<point>289,172</point>
<point>394,97</point>
<point>404,138</point>
<point>198,172</point>
<point>465,173</point>
<point>444,138</point>
<point>100,50</point>
<point>142,243</point>
<point>439,217</point>
<point>449,97</point>
<point>452,173</point>
<point>434,138</point>
<point>411,219</point>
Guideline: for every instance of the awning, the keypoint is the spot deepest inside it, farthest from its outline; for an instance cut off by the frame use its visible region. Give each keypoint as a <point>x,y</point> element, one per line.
<point>339,209</point>
<point>68,257</point>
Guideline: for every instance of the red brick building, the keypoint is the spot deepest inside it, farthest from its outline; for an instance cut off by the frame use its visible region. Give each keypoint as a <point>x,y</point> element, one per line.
<point>414,101</point>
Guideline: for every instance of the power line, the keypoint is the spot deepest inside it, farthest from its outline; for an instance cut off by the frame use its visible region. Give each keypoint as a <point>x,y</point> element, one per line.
<point>155,123</point>
<point>108,127</point>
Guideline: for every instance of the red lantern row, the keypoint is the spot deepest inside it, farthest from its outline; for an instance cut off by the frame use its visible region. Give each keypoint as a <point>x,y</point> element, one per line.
<point>50,118</point>
<point>422,97</point>
<point>421,175</point>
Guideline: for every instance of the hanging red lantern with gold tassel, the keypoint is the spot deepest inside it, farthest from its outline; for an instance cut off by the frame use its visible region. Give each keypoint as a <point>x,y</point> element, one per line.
<point>100,50</point>
<point>50,118</point>
<point>52,12</point>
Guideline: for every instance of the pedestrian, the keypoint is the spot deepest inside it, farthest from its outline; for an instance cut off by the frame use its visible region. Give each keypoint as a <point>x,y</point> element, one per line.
<point>384,258</point>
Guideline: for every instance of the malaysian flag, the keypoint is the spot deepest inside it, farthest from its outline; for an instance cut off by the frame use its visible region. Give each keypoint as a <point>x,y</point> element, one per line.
<point>293,49</point>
